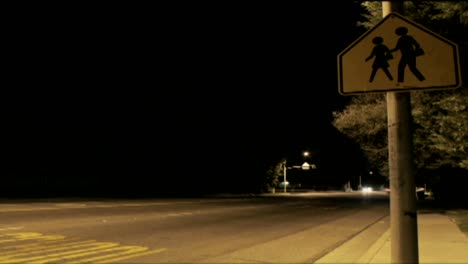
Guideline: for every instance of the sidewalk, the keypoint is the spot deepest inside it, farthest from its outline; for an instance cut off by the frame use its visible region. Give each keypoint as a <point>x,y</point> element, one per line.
<point>439,239</point>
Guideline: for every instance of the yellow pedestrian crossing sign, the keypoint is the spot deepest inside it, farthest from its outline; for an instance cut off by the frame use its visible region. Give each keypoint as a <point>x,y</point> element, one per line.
<point>397,55</point>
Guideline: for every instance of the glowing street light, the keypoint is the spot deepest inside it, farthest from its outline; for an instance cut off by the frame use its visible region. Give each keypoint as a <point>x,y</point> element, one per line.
<point>285,183</point>
<point>284,175</point>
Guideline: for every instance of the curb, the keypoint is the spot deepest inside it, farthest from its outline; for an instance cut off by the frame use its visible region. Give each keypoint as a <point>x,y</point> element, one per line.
<point>375,248</point>
<point>361,248</point>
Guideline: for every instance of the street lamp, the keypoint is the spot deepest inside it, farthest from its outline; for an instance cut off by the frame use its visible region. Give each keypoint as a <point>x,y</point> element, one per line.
<point>306,154</point>
<point>284,175</point>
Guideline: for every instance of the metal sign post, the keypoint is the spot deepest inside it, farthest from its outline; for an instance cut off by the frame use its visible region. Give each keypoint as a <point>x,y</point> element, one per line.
<point>403,215</point>
<point>396,56</point>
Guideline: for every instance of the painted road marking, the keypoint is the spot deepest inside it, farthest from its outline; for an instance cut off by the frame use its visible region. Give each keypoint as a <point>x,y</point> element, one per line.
<point>34,245</point>
<point>11,228</point>
<point>121,256</point>
<point>62,206</point>
<point>20,247</point>
<point>45,248</point>
<point>13,237</point>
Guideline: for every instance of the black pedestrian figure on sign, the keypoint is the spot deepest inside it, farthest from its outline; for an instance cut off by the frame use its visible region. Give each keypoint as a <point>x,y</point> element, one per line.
<point>382,55</point>
<point>408,47</point>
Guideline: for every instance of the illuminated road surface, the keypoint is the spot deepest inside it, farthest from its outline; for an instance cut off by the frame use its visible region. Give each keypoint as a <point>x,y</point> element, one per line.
<point>274,229</point>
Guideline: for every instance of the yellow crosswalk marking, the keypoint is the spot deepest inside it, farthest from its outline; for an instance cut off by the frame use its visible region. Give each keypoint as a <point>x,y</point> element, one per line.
<point>56,256</point>
<point>122,256</point>
<point>13,237</point>
<point>40,248</point>
<point>44,248</point>
<point>34,244</point>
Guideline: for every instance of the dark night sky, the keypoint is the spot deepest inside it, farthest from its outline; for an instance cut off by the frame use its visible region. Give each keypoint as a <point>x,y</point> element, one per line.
<point>189,89</point>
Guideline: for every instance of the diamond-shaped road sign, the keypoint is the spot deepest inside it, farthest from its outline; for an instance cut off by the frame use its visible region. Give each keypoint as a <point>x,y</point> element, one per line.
<point>384,59</point>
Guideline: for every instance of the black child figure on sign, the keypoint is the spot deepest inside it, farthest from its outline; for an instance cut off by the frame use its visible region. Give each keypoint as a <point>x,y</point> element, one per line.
<point>382,55</point>
<point>409,49</point>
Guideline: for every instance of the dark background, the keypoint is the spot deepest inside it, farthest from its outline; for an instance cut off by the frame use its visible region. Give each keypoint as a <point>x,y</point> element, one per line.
<point>172,99</point>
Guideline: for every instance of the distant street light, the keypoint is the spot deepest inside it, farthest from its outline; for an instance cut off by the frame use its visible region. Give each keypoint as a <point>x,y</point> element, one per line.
<point>284,175</point>
<point>285,168</point>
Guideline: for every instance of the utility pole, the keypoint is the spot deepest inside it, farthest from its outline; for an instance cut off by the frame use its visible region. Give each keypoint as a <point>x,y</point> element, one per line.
<point>403,215</point>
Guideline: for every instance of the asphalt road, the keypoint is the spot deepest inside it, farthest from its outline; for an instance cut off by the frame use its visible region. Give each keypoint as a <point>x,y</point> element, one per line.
<point>274,229</point>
